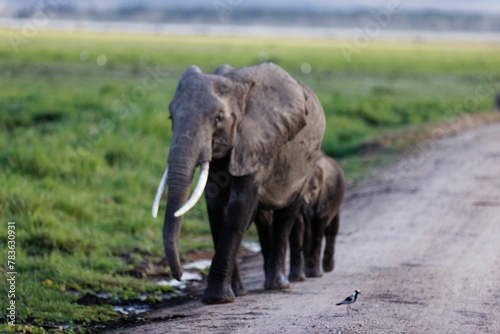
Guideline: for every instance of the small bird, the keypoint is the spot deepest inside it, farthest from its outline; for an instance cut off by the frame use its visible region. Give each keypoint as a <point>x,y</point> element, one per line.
<point>350,300</point>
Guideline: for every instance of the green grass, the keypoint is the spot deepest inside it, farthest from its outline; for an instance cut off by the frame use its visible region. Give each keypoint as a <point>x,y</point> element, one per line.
<point>83,146</point>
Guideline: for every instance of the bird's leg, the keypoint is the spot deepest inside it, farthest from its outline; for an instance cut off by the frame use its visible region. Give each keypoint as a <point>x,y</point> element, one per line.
<point>352,309</point>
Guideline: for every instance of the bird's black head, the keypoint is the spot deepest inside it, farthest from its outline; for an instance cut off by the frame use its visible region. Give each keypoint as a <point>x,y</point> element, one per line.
<point>357,291</point>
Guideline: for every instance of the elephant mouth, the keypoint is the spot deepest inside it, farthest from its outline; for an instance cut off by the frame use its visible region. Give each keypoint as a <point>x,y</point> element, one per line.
<point>193,199</point>
<point>220,148</point>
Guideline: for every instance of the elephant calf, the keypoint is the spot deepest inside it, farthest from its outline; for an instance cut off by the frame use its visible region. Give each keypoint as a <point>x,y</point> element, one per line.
<point>318,218</point>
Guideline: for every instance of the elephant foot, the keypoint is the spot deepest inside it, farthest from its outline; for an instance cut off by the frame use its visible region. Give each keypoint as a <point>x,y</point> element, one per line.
<point>279,282</point>
<point>236,284</point>
<point>314,272</point>
<point>239,290</point>
<point>328,265</point>
<point>297,276</point>
<point>218,294</point>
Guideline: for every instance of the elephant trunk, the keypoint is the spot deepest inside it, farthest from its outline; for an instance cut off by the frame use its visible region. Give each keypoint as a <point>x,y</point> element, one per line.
<point>181,167</point>
<point>178,191</point>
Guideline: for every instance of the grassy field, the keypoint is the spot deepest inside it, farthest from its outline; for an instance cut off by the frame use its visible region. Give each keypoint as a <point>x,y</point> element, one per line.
<point>84,136</point>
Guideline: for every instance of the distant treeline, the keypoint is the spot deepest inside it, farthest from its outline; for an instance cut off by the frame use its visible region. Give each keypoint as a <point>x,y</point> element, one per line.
<point>222,13</point>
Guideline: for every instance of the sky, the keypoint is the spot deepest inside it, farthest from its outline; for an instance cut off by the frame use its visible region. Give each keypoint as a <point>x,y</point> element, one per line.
<point>443,5</point>
<point>482,6</point>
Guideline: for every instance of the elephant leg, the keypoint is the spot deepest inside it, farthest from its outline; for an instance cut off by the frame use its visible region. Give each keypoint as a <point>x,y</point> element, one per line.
<point>236,284</point>
<point>330,234</point>
<point>240,210</point>
<point>216,216</point>
<point>313,256</point>
<point>264,221</point>
<point>296,254</point>
<point>282,224</point>
<point>217,197</point>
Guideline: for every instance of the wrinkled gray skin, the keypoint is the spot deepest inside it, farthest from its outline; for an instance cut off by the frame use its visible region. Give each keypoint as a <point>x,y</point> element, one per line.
<point>260,129</point>
<point>318,218</point>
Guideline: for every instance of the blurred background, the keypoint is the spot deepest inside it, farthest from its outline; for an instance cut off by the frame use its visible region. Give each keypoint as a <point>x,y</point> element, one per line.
<point>422,16</point>
<point>84,128</point>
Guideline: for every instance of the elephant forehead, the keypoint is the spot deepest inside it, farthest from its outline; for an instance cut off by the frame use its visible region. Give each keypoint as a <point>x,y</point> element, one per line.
<point>196,93</point>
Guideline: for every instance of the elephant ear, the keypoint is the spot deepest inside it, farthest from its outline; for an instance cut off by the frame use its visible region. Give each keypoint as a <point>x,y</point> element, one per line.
<point>274,112</point>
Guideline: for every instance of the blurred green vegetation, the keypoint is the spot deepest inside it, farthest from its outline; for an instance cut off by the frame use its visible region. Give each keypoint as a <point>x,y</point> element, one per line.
<point>84,134</point>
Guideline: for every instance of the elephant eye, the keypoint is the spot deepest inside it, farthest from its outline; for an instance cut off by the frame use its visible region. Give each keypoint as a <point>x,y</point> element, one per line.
<point>219,118</point>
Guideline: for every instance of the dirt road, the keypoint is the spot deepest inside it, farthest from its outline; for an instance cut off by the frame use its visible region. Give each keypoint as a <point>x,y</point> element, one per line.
<point>421,240</point>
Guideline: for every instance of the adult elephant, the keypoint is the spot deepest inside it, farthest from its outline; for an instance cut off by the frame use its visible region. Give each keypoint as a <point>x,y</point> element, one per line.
<point>255,132</point>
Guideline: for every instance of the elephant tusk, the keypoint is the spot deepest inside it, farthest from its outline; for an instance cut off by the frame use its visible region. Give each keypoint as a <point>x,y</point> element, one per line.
<point>159,193</point>
<point>198,190</point>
